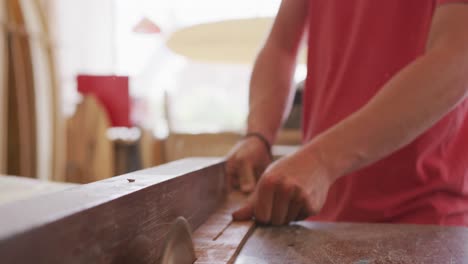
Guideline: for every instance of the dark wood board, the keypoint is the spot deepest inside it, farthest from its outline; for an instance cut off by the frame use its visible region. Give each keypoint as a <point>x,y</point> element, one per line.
<point>324,243</point>
<point>119,220</point>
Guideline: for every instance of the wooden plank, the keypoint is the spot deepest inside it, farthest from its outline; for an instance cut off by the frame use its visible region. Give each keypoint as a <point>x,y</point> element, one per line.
<point>219,239</point>
<point>310,243</point>
<point>114,220</point>
<point>3,87</point>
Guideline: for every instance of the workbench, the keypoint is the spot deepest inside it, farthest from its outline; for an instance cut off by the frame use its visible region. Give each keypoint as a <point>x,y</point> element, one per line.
<point>308,242</point>
<point>14,188</point>
<point>125,219</point>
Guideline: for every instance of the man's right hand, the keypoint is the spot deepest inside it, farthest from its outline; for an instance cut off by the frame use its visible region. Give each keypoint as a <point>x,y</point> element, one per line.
<point>246,162</point>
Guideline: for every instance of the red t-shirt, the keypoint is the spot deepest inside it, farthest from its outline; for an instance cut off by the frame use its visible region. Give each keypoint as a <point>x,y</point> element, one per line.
<point>355,47</point>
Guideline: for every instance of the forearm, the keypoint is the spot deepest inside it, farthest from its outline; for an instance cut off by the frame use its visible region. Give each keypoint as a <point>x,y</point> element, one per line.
<point>409,104</point>
<point>270,91</point>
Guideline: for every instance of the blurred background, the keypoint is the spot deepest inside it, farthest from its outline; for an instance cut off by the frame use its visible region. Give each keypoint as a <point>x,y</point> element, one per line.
<point>93,89</point>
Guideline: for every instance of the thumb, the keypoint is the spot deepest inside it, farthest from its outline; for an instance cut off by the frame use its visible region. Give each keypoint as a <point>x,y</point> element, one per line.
<point>244,213</point>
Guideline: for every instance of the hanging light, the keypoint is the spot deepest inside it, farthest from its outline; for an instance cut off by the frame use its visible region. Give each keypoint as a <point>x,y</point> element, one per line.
<point>146,26</point>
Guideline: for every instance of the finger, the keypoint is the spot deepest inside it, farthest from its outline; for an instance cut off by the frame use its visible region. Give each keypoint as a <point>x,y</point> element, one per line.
<point>294,207</point>
<point>230,168</point>
<point>260,170</point>
<point>244,213</point>
<point>282,200</point>
<point>264,201</point>
<point>302,214</point>
<point>247,178</point>
<point>227,178</point>
<point>306,211</point>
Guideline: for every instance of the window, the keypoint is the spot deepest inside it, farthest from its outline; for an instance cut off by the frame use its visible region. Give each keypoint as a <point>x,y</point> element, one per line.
<point>96,37</point>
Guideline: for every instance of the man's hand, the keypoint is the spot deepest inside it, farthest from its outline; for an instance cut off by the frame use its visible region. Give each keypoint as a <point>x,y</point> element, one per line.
<point>246,162</point>
<point>291,189</point>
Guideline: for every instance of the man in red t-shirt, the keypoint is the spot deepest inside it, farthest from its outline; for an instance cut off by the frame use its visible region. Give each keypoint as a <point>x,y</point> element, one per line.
<point>385,123</point>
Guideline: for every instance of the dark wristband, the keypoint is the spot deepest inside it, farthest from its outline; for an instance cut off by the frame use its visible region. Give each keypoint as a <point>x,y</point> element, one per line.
<point>262,139</point>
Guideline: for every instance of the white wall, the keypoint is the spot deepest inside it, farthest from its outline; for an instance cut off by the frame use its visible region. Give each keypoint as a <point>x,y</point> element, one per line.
<point>83,36</point>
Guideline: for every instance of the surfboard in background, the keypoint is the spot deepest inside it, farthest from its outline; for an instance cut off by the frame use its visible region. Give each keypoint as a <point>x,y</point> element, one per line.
<point>90,153</point>
<point>58,121</point>
<point>3,88</point>
<point>22,138</point>
<point>43,88</point>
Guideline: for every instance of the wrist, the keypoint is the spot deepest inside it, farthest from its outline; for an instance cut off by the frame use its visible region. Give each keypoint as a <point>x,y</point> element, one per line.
<point>266,145</point>
<point>324,161</point>
<point>339,153</point>
<point>267,131</point>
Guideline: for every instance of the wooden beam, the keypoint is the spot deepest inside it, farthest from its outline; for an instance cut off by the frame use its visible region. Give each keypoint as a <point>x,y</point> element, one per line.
<point>119,220</point>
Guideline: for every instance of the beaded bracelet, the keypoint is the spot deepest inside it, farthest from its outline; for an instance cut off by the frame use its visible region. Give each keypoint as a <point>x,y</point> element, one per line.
<point>262,139</point>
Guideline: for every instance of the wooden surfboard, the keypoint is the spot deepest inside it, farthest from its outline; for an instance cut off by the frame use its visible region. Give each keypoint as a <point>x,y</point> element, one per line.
<point>3,87</point>
<point>42,88</point>
<point>58,121</point>
<point>22,134</point>
<point>90,153</point>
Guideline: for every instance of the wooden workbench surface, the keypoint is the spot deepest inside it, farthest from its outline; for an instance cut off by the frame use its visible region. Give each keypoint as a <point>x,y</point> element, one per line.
<point>125,219</point>
<point>220,241</point>
<point>13,188</point>
<point>308,242</point>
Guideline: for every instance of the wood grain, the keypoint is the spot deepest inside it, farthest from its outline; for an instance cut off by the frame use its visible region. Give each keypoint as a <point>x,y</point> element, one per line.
<point>219,239</point>
<point>324,243</point>
<point>112,221</point>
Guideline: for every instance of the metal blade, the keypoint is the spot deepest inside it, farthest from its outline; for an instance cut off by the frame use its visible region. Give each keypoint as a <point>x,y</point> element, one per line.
<point>179,247</point>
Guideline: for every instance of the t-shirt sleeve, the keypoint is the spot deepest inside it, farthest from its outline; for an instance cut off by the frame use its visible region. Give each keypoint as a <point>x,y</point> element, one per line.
<point>441,2</point>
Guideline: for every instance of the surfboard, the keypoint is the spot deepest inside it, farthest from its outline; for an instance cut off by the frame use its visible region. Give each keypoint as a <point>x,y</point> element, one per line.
<point>3,88</point>
<point>90,153</point>
<point>58,121</point>
<point>42,88</point>
<point>22,133</point>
